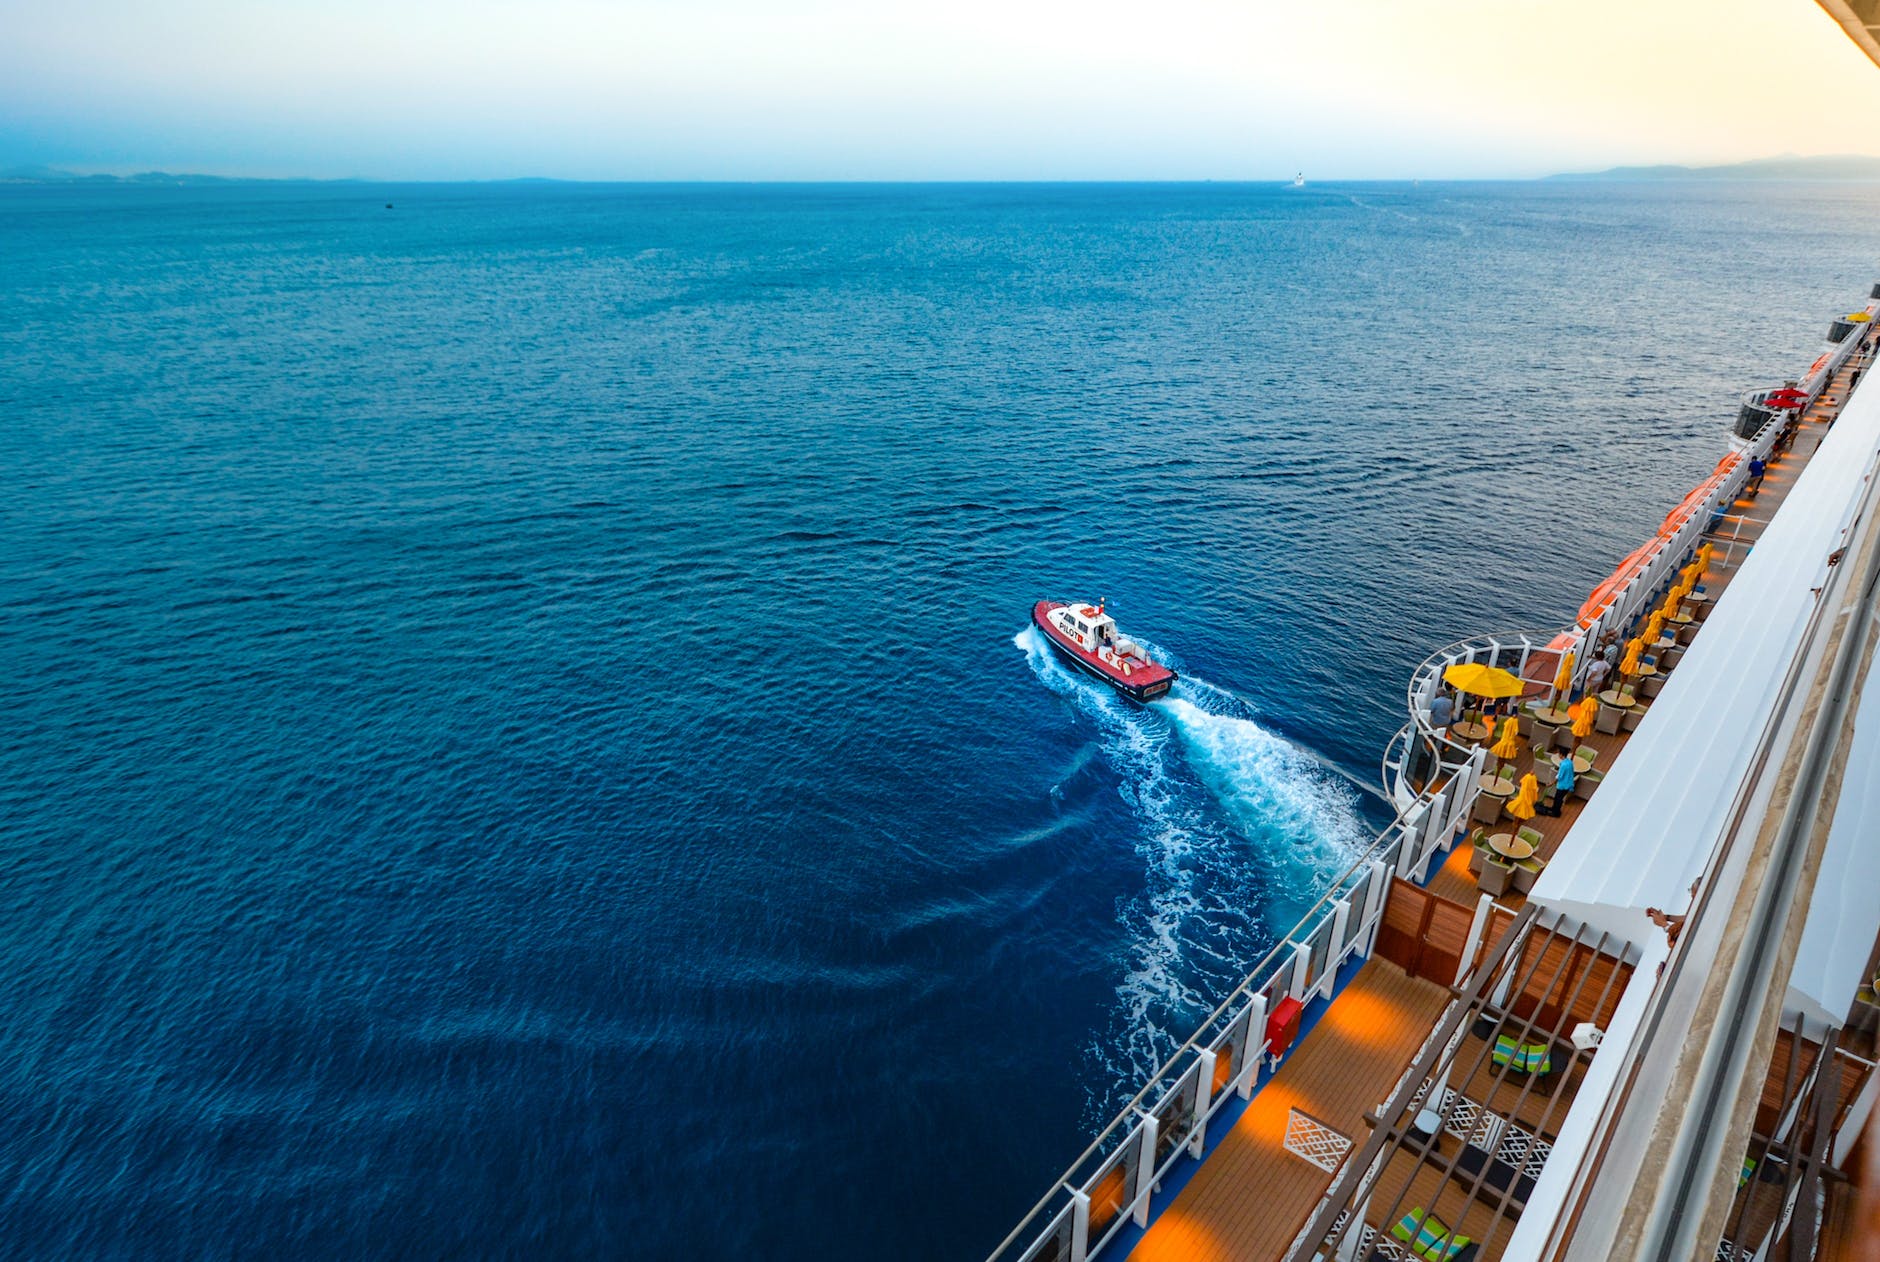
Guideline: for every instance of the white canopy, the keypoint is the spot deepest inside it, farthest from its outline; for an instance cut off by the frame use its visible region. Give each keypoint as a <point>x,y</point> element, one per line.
<point>1844,911</point>
<point>1648,832</point>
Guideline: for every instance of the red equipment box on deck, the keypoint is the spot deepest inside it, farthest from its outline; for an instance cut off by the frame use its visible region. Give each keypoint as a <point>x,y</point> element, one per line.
<point>1282,1027</point>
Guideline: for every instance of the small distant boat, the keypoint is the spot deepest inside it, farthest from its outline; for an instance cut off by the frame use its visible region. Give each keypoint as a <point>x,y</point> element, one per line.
<point>1087,638</point>
<point>1299,180</point>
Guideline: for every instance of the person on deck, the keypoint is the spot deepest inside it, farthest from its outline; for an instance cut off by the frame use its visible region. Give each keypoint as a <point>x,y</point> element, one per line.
<point>1596,676</point>
<point>1563,785</point>
<point>1756,470</point>
<point>1442,713</point>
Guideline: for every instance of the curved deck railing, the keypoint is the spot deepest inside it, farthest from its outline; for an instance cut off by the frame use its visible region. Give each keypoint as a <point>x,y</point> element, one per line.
<point>1166,1122</point>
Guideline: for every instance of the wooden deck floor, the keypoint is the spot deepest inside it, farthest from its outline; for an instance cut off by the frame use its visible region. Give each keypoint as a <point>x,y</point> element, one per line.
<point>1251,1196</point>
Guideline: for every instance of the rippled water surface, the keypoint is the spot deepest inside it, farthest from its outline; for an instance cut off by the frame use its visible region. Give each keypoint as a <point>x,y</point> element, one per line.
<point>520,737</point>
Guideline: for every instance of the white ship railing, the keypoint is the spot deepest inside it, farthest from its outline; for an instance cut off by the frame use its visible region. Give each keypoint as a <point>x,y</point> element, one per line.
<point>1167,1122</point>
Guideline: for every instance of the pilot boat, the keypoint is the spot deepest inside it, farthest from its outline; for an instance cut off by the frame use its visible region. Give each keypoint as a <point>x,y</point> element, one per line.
<point>1087,638</point>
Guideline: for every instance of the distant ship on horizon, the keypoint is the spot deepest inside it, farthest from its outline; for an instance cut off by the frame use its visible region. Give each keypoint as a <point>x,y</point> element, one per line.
<point>1299,180</point>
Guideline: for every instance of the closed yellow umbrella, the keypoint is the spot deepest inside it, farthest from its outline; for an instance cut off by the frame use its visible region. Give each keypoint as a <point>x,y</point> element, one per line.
<point>1483,680</point>
<point>1630,665</point>
<point>1704,554</point>
<point>1522,807</point>
<point>1670,608</point>
<point>1583,721</point>
<point>1692,572</point>
<point>1654,626</point>
<point>1563,678</point>
<point>1510,743</point>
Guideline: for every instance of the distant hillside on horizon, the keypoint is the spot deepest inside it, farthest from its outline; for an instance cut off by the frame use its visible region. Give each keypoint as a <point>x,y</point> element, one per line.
<point>1834,167</point>
<point>52,175</point>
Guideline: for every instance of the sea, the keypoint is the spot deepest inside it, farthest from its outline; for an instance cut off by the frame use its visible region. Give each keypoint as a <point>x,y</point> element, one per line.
<point>520,737</point>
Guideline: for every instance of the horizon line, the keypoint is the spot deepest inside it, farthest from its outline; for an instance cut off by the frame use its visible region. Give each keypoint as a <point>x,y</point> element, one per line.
<point>1763,168</point>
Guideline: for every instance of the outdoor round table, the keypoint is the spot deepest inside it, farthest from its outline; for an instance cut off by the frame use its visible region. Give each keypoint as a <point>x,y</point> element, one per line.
<point>1473,731</point>
<point>1646,672</point>
<point>1497,789</point>
<point>1509,846</point>
<point>1613,698</point>
<point>1583,763</point>
<point>1553,717</point>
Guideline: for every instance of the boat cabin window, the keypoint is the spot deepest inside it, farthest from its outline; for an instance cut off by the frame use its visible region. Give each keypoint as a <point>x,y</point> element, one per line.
<point>1082,629</point>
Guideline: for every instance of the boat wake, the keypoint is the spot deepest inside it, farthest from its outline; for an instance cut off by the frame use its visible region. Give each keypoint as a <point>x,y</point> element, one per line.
<point>1240,832</point>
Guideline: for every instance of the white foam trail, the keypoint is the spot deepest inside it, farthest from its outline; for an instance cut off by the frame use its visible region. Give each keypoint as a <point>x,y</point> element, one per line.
<point>1137,749</point>
<point>1268,785</point>
<point>1230,862</point>
<point>1217,700</point>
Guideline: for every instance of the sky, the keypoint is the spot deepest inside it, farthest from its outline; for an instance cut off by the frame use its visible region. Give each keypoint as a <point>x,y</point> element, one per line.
<point>912,89</point>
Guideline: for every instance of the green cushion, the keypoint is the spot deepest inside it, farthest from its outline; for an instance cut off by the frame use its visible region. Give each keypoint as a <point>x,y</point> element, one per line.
<point>1424,1232</point>
<point>1530,1058</point>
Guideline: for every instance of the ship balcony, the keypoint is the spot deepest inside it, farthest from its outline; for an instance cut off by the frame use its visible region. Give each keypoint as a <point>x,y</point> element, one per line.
<point>1460,1143</point>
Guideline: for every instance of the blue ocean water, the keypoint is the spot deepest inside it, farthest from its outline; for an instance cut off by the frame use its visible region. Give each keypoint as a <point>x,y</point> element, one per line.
<point>520,739</point>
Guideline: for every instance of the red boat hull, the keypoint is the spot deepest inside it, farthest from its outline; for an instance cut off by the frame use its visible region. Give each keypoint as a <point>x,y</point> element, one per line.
<point>1144,683</point>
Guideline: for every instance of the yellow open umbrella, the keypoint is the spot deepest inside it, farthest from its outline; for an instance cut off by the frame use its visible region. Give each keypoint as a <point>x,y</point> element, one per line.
<point>1630,665</point>
<point>1583,721</point>
<point>1510,743</point>
<point>1563,678</point>
<point>1483,680</point>
<point>1522,807</point>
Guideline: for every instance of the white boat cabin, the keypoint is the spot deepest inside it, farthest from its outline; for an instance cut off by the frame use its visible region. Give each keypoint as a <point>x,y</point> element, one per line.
<point>1095,632</point>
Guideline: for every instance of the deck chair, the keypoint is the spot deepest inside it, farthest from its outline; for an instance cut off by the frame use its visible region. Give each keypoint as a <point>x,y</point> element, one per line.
<point>1497,873</point>
<point>1526,872</point>
<point>1478,847</point>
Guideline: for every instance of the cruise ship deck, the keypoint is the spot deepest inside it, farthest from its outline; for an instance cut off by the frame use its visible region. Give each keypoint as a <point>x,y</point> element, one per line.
<point>1394,1080</point>
<point>1253,1198</point>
